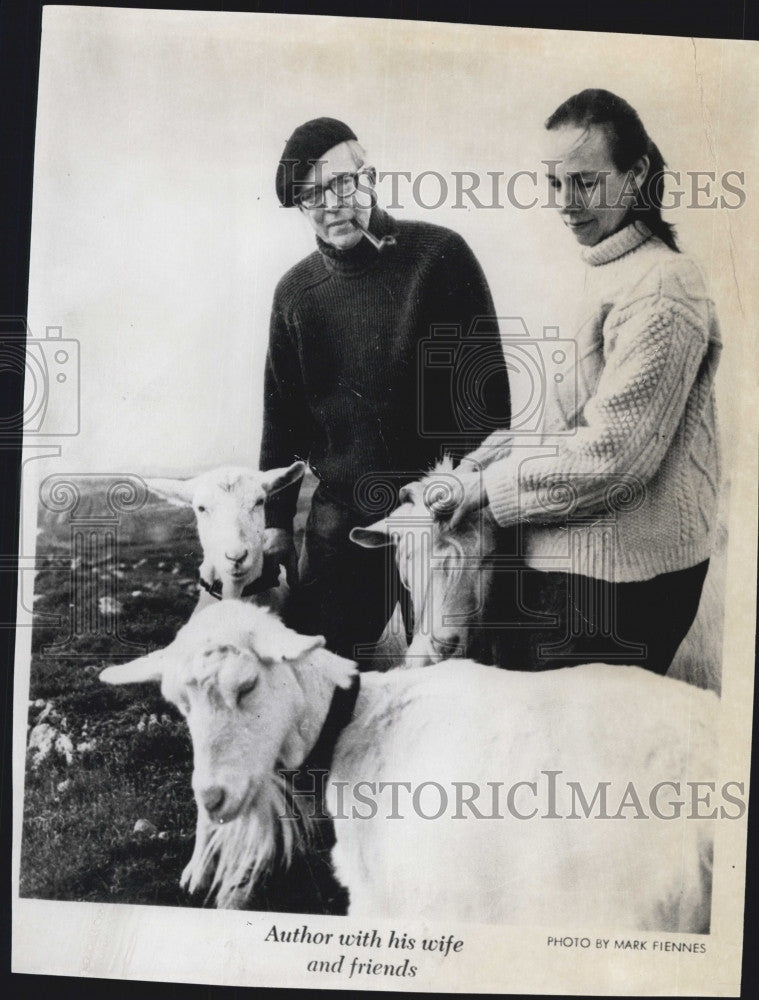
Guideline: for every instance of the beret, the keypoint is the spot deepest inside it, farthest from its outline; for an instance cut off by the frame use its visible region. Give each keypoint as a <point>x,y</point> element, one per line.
<point>308,142</point>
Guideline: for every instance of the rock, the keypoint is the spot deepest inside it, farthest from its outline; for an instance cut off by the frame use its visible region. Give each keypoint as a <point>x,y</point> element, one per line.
<point>145,826</point>
<point>109,606</point>
<point>163,835</point>
<point>63,786</point>
<point>45,740</point>
<point>65,747</point>
<point>48,712</point>
<point>39,703</point>
<point>136,593</point>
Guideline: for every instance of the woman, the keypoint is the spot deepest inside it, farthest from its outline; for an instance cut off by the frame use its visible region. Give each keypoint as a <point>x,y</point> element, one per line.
<point>616,518</point>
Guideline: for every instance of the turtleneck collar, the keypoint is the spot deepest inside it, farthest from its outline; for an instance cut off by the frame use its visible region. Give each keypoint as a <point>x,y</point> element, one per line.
<point>363,255</point>
<point>618,244</point>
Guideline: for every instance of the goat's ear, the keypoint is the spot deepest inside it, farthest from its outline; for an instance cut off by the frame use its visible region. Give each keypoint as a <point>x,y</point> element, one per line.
<point>277,479</point>
<point>409,493</point>
<point>272,641</point>
<point>146,668</point>
<point>176,491</point>
<point>375,536</point>
<point>339,670</point>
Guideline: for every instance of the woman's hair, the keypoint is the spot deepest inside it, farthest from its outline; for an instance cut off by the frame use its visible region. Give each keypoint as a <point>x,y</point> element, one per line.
<point>628,141</point>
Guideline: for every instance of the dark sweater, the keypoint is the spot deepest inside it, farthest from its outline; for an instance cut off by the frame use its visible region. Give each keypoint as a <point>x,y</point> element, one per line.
<point>350,387</point>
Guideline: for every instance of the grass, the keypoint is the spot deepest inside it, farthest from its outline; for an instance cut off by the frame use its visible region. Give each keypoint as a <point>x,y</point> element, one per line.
<point>129,753</point>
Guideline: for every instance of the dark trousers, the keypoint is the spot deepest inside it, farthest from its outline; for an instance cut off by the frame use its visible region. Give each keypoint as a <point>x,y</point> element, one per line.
<point>562,619</point>
<point>346,593</point>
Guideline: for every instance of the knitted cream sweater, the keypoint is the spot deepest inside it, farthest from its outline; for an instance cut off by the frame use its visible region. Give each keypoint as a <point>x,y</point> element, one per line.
<point>623,485</point>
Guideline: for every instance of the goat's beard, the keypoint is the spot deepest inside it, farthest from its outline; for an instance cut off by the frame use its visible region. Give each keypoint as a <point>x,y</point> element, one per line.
<point>238,854</point>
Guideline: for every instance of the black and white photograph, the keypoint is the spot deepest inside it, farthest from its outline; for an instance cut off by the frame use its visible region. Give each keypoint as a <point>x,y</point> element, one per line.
<point>387,558</point>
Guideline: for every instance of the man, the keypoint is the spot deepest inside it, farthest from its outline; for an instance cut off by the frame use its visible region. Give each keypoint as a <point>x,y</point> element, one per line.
<point>349,385</point>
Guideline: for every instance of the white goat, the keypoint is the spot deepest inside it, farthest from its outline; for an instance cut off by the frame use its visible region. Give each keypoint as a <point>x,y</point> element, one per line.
<point>443,571</point>
<point>449,578</point>
<point>256,695</point>
<point>229,508</point>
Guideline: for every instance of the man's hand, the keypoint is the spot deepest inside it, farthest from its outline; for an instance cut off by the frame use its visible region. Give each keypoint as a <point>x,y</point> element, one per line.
<point>279,547</point>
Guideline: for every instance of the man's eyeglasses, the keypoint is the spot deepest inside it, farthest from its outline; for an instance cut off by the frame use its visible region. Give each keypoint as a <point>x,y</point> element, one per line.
<point>341,185</point>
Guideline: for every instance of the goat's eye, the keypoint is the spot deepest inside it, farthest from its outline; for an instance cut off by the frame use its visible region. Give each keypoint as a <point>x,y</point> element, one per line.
<point>245,689</point>
<point>201,509</point>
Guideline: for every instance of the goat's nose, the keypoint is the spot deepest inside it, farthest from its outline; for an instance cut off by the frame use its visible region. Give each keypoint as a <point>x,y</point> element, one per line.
<point>237,555</point>
<point>212,798</point>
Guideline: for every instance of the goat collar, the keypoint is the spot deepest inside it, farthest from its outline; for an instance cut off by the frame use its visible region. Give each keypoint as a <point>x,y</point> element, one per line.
<point>339,715</point>
<point>267,581</point>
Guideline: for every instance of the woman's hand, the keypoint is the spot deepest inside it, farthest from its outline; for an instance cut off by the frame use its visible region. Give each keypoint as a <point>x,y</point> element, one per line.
<point>473,496</point>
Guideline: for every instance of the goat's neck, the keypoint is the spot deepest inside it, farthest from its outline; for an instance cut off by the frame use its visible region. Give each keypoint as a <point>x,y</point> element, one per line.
<point>318,675</point>
<point>374,717</point>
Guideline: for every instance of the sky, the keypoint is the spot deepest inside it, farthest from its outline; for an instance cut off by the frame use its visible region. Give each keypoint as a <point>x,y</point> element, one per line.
<point>157,238</point>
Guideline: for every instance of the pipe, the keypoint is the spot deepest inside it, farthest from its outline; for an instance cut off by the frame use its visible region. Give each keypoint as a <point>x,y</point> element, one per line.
<point>379,245</point>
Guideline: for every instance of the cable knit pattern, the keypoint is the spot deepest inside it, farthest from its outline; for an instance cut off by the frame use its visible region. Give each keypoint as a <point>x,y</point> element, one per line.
<point>624,484</point>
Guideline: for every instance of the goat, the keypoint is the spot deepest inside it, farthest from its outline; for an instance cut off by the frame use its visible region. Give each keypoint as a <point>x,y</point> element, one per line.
<point>450,578</point>
<point>445,570</point>
<point>229,509</point>
<point>256,696</point>
<point>228,504</point>
<point>229,512</point>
